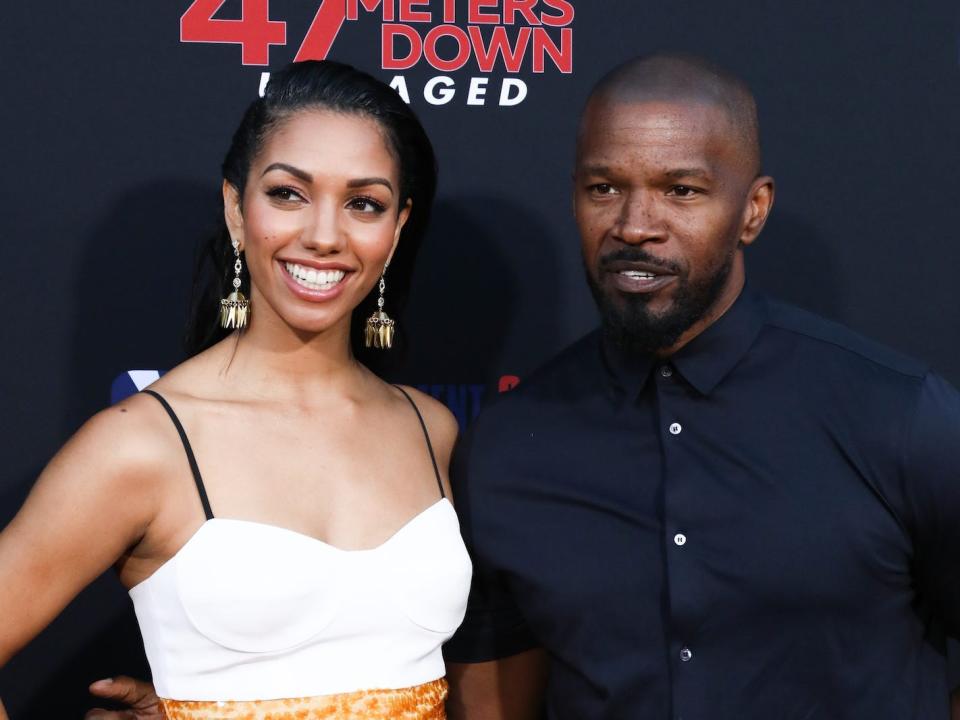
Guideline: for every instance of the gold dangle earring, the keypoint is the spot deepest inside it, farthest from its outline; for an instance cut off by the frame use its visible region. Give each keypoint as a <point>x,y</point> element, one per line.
<point>379,331</point>
<point>235,308</point>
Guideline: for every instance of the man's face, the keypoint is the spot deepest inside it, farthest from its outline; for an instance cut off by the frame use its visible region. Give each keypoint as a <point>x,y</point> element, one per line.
<point>664,200</point>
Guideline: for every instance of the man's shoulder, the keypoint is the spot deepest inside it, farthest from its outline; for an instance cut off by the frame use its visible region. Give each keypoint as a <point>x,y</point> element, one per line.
<point>554,384</point>
<point>829,338</point>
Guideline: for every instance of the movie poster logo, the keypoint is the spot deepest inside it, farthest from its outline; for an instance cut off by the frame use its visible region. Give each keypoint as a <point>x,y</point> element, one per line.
<point>494,41</point>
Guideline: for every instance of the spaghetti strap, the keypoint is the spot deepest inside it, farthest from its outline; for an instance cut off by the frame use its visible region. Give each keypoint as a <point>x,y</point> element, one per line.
<point>190,457</point>
<point>426,435</point>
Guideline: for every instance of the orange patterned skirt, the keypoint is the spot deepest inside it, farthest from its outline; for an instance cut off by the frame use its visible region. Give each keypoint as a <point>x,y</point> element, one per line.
<point>423,702</point>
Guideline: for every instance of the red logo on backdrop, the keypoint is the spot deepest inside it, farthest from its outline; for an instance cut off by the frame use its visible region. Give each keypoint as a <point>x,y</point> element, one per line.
<point>449,35</point>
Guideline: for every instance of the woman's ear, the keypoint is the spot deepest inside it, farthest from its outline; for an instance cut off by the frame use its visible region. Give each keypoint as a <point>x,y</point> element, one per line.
<point>401,221</point>
<point>232,213</point>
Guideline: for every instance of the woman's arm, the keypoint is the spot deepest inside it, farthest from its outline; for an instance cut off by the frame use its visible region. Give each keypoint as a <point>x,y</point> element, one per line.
<point>91,504</point>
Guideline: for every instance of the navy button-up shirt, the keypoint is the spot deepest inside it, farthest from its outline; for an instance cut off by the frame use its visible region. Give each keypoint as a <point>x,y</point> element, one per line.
<point>766,525</point>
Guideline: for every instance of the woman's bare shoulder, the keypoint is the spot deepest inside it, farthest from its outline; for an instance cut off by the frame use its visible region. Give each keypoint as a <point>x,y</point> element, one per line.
<point>137,437</point>
<point>113,466</point>
<point>441,423</point>
<point>132,435</point>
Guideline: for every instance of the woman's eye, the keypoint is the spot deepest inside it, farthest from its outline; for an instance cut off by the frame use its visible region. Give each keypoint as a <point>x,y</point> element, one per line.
<point>284,193</point>
<point>365,204</point>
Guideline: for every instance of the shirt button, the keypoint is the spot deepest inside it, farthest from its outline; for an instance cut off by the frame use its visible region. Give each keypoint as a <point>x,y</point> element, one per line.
<point>680,539</point>
<point>675,429</point>
<point>666,371</point>
<point>686,655</point>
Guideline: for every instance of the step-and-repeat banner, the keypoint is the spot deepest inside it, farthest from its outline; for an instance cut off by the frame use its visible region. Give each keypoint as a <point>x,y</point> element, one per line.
<point>116,115</point>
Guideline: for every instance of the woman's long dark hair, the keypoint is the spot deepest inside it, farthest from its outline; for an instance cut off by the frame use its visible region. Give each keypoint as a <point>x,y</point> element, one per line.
<point>332,86</point>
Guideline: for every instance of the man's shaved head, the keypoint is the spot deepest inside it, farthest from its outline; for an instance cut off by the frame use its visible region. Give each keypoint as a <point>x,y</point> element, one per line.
<point>686,78</point>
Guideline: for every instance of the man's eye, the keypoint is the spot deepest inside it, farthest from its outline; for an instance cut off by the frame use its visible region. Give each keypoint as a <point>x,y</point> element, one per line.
<point>365,204</point>
<point>683,191</point>
<point>602,189</point>
<point>284,193</point>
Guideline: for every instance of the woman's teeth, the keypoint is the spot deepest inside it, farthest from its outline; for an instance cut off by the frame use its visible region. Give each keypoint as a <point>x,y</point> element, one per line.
<point>314,279</point>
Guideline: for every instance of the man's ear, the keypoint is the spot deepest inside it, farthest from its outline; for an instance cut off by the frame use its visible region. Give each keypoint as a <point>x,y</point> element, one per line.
<point>759,205</point>
<point>232,213</point>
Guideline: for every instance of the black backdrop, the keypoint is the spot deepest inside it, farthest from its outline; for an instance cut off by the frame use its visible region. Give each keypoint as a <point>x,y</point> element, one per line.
<point>113,130</point>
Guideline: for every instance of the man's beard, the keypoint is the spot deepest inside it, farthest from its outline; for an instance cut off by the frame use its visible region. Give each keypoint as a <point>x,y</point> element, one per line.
<point>627,319</point>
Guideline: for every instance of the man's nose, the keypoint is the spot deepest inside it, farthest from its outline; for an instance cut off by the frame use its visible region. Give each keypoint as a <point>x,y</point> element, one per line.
<point>640,220</point>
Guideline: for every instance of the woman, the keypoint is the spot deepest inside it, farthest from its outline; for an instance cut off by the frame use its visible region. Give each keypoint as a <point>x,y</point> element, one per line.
<point>278,513</point>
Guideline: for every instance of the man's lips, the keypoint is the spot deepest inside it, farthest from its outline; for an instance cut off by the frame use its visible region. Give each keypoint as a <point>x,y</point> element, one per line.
<point>637,277</point>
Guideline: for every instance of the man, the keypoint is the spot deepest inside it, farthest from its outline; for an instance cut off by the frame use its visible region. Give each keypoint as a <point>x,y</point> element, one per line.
<point>717,506</point>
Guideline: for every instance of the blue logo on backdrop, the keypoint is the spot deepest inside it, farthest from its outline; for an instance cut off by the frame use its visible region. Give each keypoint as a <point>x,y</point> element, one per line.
<point>131,382</point>
<point>463,400</point>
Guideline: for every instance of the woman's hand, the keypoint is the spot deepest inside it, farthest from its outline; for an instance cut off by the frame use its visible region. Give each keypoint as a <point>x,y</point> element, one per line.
<point>138,695</point>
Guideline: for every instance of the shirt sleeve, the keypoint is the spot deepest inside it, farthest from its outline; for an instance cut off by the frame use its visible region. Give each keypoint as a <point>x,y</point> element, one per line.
<point>494,626</point>
<point>932,485</point>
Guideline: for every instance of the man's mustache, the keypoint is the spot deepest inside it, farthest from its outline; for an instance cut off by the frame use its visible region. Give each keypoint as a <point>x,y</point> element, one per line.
<point>638,255</point>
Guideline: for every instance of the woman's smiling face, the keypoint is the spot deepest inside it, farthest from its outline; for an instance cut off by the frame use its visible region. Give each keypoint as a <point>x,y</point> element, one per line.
<point>319,218</point>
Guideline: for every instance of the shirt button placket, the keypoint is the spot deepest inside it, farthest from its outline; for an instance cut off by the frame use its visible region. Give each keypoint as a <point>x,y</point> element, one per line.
<point>680,560</point>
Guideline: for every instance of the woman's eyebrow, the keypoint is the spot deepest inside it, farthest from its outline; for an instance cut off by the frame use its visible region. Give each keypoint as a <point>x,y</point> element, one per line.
<point>361,182</point>
<point>295,171</point>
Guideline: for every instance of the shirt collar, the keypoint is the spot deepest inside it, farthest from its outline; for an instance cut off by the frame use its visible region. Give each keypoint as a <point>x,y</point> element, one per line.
<point>628,371</point>
<point>705,360</point>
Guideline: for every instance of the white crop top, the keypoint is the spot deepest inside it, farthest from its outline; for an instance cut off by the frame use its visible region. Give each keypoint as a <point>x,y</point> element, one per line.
<point>250,611</point>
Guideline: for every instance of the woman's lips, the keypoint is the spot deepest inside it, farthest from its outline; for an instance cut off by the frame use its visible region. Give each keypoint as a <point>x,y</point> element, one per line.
<point>312,284</point>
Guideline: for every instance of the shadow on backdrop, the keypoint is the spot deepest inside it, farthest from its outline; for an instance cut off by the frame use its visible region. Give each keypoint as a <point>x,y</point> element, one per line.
<point>792,262</point>
<point>133,287</point>
<point>484,294</point>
